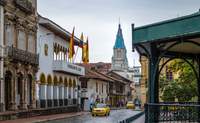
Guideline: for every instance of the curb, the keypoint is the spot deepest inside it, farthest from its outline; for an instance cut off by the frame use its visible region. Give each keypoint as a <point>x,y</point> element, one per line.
<point>116,108</point>
<point>130,119</point>
<point>46,120</point>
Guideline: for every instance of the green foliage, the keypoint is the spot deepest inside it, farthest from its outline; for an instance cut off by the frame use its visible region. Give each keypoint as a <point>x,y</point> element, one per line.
<point>183,88</point>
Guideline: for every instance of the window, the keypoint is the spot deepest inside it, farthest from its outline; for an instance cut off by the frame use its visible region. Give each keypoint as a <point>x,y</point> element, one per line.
<point>102,88</point>
<point>9,35</point>
<point>118,53</point>
<point>169,75</point>
<point>97,87</point>
<point>21,42</point>
<point>83,84</point>
<point>107,89</point>
<point>46,50</point>
<point>31,44</point>
<point>121,89</point>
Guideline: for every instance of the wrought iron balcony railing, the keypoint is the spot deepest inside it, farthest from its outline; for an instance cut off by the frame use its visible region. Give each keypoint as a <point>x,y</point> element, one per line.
<point>19,55</point>
<point>172,112</point>
<point>25,5</point>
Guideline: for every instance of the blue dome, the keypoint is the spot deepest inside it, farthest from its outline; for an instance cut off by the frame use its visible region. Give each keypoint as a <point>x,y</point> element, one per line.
<point>119,42</point>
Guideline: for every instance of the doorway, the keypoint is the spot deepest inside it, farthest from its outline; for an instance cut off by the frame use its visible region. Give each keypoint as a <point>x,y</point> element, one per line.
<point>8,80</point>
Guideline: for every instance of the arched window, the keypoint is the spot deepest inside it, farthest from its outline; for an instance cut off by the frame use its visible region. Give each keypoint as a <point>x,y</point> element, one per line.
<point>66,82</point>
<point>49,80</point>
<point>55,80</point>
<point>74,83</point>
<point>70,83</point>
<point>42,78</point>
<point>61,80</point>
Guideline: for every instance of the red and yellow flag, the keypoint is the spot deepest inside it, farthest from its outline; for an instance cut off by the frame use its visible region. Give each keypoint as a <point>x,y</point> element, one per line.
<point>85,52</point>
<point>71,45</point>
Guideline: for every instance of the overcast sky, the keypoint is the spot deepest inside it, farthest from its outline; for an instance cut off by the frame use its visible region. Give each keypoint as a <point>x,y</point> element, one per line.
<point>99,20</point>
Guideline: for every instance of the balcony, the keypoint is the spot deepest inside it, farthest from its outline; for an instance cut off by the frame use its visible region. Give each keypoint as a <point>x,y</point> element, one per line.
<point>25,57</point>
<point>63,66</point>
<point>25,5</point>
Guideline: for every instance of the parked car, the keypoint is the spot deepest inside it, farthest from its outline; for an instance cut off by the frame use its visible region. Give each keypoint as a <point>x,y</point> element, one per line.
<point>130,105</point>
<point>101,109</point>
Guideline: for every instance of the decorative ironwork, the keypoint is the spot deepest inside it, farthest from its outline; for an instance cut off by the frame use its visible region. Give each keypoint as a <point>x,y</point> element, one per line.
<point>178,112</point>
<point>25,5</point>
<point>26,57</point>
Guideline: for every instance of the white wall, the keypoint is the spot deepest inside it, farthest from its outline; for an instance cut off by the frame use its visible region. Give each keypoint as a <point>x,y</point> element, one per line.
<point>45,62</point>
<point>91,90</point>
<point>45,36</point>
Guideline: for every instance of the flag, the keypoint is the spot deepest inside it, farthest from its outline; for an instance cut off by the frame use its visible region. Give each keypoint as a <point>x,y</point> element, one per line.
<point>84,52</point>
<point>81,41</point>
<point>71,45</point>
<point>87,51</point>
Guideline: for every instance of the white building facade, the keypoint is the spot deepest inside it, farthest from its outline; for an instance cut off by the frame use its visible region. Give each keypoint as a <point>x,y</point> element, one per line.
<point>94,89</point>
<point>57,78</point>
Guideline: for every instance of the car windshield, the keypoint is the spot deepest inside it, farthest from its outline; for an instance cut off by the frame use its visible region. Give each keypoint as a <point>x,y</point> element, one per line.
<point>100,105</point>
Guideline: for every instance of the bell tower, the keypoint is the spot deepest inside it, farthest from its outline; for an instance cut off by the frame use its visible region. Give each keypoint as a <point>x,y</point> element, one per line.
<point>119,58</point>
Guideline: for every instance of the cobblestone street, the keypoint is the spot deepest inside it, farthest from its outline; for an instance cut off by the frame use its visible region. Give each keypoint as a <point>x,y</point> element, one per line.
<point>115,116</point>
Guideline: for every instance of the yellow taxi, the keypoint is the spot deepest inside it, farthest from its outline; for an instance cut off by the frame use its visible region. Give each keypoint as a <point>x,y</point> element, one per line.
<point>101,109</point>
<point>130,105</point>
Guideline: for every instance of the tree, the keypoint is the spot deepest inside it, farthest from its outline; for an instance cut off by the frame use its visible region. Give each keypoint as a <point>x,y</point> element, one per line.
<point>184,87</point>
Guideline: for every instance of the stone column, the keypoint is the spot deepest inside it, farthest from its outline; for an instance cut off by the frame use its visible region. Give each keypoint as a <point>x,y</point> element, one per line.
<point>33,93</point>
<point>43,95</point>
<point>55,95</point>
<point>65,95</point>
<point>13,90</point>
<point>61,95</point>
<point>72,92</point>
<point>24,91</point>
<point>50,95</point>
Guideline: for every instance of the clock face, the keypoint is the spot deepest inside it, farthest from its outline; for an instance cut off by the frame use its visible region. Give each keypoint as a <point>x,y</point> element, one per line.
<point>46,50</point>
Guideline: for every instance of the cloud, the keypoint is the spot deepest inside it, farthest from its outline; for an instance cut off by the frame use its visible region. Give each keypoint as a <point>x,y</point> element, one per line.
<point>98,19</point>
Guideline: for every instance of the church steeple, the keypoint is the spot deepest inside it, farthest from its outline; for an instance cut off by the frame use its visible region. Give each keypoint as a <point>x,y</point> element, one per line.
<point>119,42</point>
<point>119,59</point>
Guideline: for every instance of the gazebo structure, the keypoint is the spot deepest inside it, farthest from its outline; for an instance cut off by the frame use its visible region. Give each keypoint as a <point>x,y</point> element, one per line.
<point>171,39</point>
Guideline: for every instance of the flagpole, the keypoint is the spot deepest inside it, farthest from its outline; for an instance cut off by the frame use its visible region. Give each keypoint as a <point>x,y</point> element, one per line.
<point>76,53</point>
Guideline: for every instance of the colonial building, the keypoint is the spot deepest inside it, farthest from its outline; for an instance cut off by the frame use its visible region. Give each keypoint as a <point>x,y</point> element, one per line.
<point>99,66</point>
<point>19,22</point>
<point>120,91</point>
<point>94,88</point>
<point>166,72</point>
<point>57,78</point>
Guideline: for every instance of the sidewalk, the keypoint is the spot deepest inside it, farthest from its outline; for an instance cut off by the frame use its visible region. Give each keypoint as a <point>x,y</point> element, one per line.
<point>141,119</point>
<point>45,118</point>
